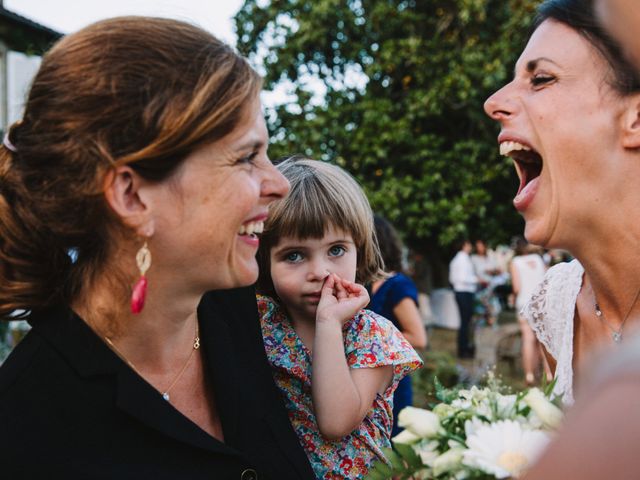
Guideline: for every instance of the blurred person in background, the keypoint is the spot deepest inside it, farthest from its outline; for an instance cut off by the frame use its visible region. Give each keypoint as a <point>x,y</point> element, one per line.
<point>488,273</point>
<point>527,271</point>
<point>396,298</point>
<point>464,281</point>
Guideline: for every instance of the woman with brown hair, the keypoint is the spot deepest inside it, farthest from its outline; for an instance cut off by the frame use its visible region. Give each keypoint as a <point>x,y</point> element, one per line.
<point>137,181</point>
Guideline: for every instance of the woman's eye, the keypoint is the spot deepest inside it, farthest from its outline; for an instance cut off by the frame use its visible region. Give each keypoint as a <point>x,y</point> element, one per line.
<point>293,257</point>
<point>337,251</point>
<point>249,158</point>
<point>540,79</point>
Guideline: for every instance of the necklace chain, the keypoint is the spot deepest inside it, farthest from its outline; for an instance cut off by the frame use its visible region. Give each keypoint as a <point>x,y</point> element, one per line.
<point>165,393</point>
<point>616,334</point>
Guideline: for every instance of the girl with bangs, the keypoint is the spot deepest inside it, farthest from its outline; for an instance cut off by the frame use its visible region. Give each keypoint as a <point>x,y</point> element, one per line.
<point>336,364</point>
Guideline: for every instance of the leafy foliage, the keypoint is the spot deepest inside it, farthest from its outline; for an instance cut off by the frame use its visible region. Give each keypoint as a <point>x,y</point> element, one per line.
<point>404,83</point>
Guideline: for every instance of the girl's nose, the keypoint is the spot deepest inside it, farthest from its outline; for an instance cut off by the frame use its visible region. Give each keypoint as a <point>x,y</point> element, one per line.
<point>318,271</point>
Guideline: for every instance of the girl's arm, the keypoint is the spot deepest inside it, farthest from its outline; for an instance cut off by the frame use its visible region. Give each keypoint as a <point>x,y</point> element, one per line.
<point>408,316</point>
<point>341,396</point>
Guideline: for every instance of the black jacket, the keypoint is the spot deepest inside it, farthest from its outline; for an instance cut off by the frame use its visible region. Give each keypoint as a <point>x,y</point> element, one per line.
<point>70,408</point>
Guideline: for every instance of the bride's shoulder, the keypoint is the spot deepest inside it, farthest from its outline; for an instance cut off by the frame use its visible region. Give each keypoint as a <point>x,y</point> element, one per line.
<point>551,299</point>
<point>562,277</point>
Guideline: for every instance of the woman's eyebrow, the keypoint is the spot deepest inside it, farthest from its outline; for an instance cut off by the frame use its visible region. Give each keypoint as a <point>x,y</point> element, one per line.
<point>250,145</point>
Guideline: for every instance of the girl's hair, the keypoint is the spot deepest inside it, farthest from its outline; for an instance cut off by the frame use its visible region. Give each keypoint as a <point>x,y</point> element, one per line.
<point>132,90</point>
<point>580,15</point>
<point>321,195</point>
<point>390,244</point>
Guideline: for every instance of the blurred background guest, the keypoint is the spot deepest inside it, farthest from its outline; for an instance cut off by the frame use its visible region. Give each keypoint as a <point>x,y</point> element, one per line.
<point>396,298</point>
<point>465,283</point>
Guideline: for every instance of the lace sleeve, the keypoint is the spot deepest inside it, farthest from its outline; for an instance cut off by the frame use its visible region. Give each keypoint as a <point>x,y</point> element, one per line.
<point>552,306</point>
<point>550,312</point>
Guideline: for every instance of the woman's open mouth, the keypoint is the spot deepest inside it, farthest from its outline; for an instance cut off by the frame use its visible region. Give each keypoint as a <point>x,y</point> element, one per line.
<point>528,165</point>
<point>251,228</point>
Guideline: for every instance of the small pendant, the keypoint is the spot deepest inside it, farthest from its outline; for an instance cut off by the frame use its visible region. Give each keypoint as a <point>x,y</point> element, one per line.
<point>165,395</point>
<point>617,337</point>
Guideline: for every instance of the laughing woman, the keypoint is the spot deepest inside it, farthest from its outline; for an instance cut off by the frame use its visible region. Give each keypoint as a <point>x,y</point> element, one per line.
<point>133,185</point>
<point>571,122</point>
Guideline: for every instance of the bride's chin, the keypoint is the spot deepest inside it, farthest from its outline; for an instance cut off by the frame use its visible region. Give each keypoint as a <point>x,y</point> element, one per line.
<point>538,233</point>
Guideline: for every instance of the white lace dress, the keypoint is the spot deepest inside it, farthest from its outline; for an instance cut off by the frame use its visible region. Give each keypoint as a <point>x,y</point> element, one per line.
<point>550,313</point>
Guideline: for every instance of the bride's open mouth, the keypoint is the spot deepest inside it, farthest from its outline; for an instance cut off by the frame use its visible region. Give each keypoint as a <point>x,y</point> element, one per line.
<point>529,164</point>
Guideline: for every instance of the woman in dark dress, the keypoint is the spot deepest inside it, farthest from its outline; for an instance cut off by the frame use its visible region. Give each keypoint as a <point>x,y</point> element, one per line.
<point>396,298</point>
<point>136,182</point>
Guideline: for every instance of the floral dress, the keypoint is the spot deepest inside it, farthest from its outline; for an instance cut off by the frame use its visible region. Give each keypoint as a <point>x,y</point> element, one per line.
<point>370,341</point>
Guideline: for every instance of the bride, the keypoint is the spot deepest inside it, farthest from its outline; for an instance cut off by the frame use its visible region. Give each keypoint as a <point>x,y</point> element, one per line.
<point>570,120</point>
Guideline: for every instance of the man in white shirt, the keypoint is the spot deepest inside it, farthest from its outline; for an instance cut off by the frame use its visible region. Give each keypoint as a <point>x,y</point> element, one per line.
<point>465,283</point>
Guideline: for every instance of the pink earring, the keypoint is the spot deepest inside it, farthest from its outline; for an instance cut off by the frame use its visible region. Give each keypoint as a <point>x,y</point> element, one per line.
<point>139,294</point>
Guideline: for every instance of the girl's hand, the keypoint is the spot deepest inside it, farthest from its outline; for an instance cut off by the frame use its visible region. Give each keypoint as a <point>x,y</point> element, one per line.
<point>340,300</point>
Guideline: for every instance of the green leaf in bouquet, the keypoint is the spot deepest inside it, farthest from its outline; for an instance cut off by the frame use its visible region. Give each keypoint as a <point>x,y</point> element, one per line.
<point>409,455</point>
<point>380,471</point>
<point>397,462</point>
<point>547,388</point>
<point>441,392</point>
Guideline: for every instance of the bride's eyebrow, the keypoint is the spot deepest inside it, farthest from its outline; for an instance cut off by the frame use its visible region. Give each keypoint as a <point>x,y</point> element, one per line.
<point>533,64</point>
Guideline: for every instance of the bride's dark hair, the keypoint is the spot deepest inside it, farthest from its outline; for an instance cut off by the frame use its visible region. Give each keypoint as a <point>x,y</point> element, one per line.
<point>580,15</point>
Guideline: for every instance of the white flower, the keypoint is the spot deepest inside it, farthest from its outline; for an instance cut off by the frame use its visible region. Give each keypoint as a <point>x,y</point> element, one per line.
<point>503,449</point>
<point>506,406</point>
<point>406,437</point>
<point>443,410</point>
<point>428,452</point>
<point>449,460</point>
<point>550,415</point>
<point>419,421</point>
<point>462,404</point>
<point>472,425</point>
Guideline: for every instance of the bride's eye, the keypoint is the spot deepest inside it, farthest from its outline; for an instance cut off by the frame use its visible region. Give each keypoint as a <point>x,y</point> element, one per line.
<point>541,79</point>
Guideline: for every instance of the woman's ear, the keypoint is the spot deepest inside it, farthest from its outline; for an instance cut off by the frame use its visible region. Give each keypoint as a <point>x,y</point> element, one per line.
<point>631,126</point>
<point>123,192</point>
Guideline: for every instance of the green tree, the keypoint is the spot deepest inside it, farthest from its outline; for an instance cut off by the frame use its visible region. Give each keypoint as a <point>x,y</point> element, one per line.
<point>401,108</point>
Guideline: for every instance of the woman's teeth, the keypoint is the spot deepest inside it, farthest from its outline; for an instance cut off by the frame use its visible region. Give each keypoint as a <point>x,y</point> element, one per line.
<point>507,147</point>
<point>251,228</point>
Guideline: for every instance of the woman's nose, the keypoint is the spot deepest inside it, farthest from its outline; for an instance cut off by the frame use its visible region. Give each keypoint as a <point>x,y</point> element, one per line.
<point>498,106</point>
<point>274,185</point>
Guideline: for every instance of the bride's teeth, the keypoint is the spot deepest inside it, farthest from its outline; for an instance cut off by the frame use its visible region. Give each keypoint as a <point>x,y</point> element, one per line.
<point>242,230</point>
<point>507,147</point>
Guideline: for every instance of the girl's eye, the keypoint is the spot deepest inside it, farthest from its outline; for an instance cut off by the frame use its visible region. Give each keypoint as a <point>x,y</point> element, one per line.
<point>541,79</point>
<point>249,158</point>
<point>293,257</point>
<point>337,251</point>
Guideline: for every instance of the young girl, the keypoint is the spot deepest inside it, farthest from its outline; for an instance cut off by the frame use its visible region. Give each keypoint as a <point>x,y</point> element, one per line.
<point>336,364</point>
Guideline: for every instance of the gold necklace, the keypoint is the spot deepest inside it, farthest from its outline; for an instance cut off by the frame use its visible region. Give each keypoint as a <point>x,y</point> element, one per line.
<point>616,334</point>
<point>165,393</point>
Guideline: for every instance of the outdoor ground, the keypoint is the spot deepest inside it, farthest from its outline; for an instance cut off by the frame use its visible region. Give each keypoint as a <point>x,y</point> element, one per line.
<point>441,361</point>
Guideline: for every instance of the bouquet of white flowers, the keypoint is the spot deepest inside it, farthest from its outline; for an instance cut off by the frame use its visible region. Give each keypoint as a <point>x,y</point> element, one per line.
<point>479,433</point>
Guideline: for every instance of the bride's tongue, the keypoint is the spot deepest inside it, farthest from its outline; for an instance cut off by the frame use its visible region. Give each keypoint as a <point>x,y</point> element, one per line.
<point>526,193</point>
